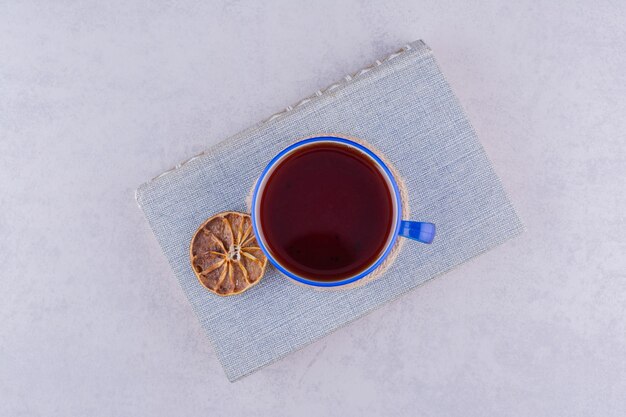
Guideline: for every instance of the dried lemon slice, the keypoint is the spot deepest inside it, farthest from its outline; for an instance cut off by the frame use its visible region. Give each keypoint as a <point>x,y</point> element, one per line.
<point>225,255</point>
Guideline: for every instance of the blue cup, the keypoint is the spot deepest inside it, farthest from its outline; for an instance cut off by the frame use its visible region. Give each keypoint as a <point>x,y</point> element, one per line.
<point>423,232</point>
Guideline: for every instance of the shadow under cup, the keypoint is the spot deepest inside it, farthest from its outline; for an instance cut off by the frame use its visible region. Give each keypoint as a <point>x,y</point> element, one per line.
<point>326,211</point>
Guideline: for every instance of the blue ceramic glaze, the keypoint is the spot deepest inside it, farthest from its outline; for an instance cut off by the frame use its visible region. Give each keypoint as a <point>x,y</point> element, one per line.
<point>419,231</point>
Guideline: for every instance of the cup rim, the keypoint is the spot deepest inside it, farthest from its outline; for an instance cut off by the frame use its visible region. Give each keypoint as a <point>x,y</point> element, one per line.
<point>396,195</point>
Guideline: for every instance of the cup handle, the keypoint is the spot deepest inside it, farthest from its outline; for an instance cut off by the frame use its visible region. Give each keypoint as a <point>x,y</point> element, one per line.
<point>421,231</point>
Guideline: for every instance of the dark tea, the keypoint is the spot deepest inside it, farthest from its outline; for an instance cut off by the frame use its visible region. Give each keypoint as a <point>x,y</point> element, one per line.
<point>326,212</point>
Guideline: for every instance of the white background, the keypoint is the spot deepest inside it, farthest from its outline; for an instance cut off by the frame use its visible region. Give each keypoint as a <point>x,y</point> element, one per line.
<point>98,98</point>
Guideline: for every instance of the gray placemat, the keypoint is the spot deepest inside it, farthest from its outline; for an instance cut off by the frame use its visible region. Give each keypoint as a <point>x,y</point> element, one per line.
<point>403,106</point>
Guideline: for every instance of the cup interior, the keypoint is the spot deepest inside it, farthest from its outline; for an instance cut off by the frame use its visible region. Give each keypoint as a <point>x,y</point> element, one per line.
<point>275,163</point>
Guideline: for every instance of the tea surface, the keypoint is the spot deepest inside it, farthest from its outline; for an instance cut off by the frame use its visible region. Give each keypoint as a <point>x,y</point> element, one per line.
<point>326,212</point>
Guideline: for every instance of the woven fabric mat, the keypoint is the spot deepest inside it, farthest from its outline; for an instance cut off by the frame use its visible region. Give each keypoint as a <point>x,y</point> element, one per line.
<point>401,105</point>
<point>406,211</point>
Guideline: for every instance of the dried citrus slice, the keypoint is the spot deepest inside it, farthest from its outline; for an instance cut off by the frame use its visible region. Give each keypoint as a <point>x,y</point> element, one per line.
<point>225,255</point>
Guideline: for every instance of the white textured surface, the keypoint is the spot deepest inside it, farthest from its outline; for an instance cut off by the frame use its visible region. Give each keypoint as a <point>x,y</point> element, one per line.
<point>95,99</point>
